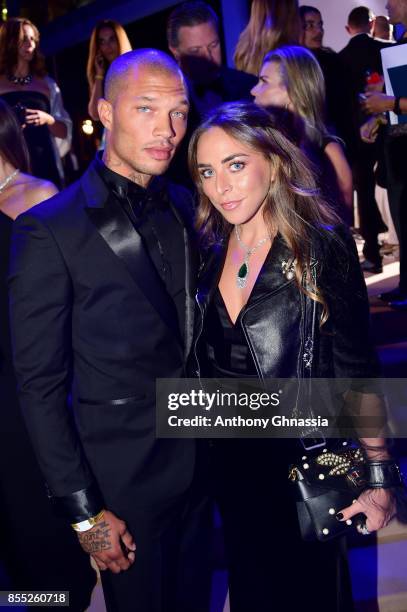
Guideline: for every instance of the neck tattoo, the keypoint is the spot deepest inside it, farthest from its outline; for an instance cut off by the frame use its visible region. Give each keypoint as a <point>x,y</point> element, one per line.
<point>244,270</point>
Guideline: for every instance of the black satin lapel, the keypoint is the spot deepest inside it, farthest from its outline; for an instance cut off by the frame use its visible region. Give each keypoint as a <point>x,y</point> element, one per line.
<point>191,253</point>
<point>191,273</point>
<point>117,230</point>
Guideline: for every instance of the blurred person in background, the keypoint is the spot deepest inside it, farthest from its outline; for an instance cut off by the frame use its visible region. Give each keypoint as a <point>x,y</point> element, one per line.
<point>362,59</point>
<point>395,156</point>
<point>383,29</point>
<point>35,97</point>
<point>338,94</point>
<point>28,526</point>
<point>193,39</point>
<point>291,78</point>
<point>272,24</point>
<point>108,40</point>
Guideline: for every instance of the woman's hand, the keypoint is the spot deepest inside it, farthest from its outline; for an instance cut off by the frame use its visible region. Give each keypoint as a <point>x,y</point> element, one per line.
<point>377,504</point>
<point>38,117</point>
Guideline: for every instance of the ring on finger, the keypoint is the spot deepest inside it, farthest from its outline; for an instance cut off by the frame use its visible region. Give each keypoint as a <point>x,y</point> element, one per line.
<point>363,529</point>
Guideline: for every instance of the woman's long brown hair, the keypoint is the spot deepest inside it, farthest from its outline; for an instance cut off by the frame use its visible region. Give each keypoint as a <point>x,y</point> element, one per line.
<point>11,33</point>
<point>293,206</point>
<point>13,148</point>
<point>122,39</point>
<point>272,23</point>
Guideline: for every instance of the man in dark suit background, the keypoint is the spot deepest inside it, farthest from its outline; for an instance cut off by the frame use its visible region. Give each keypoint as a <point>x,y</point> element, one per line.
<point>102,298</point>
<point>193,39</point>
<point>338,94</point>
<point>362,57</point>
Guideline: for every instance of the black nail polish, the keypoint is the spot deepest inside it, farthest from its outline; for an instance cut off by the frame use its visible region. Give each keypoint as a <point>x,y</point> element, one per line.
<point>339,516</point>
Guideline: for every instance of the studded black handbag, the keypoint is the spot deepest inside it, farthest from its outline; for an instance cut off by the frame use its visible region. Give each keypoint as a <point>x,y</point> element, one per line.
<point>326,481</point>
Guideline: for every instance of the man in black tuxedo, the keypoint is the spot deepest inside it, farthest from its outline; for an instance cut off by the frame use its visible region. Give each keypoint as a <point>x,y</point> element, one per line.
<point>102,298</point>
<point>362,57</point>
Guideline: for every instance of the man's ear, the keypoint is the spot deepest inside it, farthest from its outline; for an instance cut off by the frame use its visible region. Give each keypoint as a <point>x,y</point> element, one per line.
<point>105,111</point>
<point>347,29</point>
<point>175,52</point>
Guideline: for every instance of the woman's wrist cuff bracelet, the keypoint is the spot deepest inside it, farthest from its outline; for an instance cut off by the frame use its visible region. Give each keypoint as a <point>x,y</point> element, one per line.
<point>383,474</point>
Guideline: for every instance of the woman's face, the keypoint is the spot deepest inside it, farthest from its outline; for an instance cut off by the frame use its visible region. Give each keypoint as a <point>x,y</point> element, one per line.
<point>27,44</point>
<point>234,177</point>
<point>108,45</point>
<point>270,90</point>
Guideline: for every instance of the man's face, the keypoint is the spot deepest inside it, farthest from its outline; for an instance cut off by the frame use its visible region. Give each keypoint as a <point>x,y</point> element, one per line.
<point>198,51</point>
<point>145,122</point>
<point>312,30</point>
<point>397,10</point>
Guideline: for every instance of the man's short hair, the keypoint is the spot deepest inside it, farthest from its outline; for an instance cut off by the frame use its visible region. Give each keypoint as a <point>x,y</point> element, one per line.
<point>308,9</point>
<point>360,17</point>
<point>140,58</point>
<point>188,14</point>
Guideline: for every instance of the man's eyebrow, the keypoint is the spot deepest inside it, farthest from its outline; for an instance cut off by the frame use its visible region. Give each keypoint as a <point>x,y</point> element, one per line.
<point>227,159</point>
<point>200,46</point>
<point>146,98</point>
<point>183,102</point>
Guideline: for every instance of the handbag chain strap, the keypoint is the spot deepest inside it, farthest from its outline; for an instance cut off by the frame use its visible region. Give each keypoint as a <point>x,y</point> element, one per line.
<point>313,438</point>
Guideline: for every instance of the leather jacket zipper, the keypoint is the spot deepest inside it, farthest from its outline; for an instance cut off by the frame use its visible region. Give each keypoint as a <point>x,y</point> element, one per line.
<point>201,311</point>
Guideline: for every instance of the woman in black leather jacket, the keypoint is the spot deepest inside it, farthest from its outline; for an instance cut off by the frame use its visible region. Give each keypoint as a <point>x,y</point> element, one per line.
<point>273,249</point>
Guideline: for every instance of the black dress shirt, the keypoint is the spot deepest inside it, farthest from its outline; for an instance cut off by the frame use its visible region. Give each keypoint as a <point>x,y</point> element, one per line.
<point>162,234</point>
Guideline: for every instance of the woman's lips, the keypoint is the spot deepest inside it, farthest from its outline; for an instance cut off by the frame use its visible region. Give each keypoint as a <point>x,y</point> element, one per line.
<point>231,205</point>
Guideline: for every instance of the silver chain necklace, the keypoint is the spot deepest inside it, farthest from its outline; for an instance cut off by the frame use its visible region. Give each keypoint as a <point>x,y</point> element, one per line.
<point>243,271</point>
<point>8,180</point>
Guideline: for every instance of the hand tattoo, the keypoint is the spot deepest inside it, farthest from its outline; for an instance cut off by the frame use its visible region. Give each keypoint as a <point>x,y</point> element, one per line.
<point>97,539</point>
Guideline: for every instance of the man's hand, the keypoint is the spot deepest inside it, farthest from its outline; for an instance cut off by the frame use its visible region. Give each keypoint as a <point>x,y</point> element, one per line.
<point>374,103</point>
<point>106,541</point>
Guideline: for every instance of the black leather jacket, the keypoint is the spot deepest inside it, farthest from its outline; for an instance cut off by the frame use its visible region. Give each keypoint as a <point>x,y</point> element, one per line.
<point>277,320</point>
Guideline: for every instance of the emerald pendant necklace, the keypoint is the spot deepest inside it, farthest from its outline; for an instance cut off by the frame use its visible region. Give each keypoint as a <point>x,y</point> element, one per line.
<point>243,272</point>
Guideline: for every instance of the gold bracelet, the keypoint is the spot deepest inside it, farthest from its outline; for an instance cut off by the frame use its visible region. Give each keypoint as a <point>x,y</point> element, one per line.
<point>99,77</point>
<point>88,523</point>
